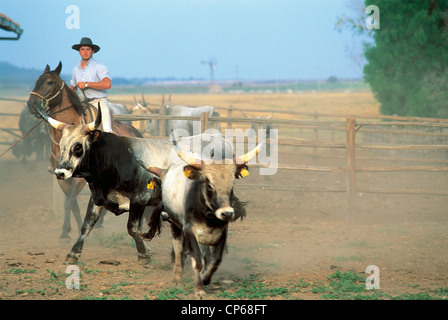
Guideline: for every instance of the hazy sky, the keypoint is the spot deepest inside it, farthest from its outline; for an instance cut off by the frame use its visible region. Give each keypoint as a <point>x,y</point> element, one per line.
<point>249,39</point>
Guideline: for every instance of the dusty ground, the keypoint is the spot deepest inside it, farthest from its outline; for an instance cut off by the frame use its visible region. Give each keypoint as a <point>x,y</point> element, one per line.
<point>288,238</point>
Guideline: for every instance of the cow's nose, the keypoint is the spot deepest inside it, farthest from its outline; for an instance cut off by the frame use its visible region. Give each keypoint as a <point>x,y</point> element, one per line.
<point>63,173</point>
<point>60,175</point>
<point>227,215</point>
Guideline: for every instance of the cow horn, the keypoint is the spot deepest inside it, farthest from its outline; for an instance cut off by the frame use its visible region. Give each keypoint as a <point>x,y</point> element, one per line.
<point>245,158</point>
<point>151,109</point>
<point>187,157</point>
<point>154,170</point>
<point>92,126</point>
<point>58,125</point>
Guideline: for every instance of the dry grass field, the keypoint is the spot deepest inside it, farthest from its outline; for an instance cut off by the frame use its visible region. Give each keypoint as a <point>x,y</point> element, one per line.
<point>358,102</point>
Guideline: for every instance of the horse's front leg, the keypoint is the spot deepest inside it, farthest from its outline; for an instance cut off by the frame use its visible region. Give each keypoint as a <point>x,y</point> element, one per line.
<point>71,205</point>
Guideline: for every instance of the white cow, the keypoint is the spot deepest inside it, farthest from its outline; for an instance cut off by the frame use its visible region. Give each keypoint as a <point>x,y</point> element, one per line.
<point>192,127</point>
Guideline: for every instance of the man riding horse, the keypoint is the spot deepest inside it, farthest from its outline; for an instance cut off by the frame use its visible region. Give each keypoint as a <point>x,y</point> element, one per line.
<point>93,80</point>
<point>52,96</point>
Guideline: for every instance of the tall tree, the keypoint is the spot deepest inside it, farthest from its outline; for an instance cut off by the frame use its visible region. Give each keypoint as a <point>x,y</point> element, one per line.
<point>407,65</point>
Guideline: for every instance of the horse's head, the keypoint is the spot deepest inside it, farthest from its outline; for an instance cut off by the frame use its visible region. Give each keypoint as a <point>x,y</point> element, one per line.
<point>47,90</point>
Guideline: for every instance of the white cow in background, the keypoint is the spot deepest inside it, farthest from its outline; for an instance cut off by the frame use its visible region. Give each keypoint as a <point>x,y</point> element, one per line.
<point>152,126</point>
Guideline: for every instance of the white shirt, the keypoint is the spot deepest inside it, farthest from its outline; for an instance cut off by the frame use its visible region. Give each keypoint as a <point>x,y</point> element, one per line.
<point>92,72</point>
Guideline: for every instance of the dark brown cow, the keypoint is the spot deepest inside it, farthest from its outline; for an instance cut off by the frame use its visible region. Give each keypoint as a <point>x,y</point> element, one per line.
<point>116,182</point>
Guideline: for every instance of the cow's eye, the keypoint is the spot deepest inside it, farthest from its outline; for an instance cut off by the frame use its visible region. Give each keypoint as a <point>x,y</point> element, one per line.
<point>77,149</point>
<point>210,188</point>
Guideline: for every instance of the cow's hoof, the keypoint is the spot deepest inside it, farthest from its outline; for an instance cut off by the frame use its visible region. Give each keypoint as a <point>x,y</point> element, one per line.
<point>64,235</point>
<point>144,258</point>
<point>200,294</point>
<point>206,281</point>
<point>72,258</point>
<point>177,281</point>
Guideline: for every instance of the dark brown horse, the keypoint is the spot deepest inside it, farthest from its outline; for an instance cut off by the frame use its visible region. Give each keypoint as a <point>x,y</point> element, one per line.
<point>63,104</point>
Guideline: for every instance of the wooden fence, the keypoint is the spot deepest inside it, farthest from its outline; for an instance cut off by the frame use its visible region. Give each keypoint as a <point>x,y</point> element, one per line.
<point>352,127</point>
<point>11,131</point>
<point>342,133</point>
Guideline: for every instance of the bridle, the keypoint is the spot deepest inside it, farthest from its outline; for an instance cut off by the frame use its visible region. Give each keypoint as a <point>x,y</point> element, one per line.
<point>47,100</point>
<point>46,108</point>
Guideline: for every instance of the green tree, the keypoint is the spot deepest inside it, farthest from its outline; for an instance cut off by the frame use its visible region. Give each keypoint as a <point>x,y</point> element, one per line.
<point>407,65</point>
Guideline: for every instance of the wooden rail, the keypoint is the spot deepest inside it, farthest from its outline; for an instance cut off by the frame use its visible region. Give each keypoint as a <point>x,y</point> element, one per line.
<point>351,126</point>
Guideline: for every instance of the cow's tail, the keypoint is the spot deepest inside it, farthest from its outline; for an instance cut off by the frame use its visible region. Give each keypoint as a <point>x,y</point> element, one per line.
<point>155,223</point>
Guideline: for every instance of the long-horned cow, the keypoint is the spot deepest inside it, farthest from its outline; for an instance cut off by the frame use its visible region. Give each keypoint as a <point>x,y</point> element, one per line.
<point>116,181</point>
<point>199,199</point>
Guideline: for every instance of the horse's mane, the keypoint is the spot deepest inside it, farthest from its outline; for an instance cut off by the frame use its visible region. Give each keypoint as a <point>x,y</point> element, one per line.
<point>77,104</point>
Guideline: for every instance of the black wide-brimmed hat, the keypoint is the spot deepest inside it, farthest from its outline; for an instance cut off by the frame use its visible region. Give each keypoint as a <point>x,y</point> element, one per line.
<point>86,42</point>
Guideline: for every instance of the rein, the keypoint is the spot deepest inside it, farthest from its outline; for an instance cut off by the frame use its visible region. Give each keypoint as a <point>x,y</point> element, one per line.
<point>46,108</point>
<point>21,138</point>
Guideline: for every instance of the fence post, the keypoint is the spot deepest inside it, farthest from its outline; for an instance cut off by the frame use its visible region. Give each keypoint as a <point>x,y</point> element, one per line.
<point>204,121</point>
<point>351,170</point>
<point>162,123</point>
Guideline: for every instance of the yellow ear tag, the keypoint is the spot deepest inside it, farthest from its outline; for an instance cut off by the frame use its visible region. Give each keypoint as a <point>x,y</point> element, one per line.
<point>187,172</point>
<point>150,185</point>
<point>244,173</point>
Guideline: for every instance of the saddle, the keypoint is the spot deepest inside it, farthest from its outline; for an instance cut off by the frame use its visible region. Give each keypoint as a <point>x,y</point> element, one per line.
<point>90,113</point>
